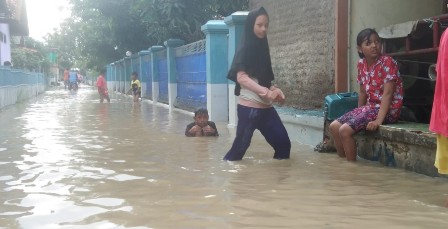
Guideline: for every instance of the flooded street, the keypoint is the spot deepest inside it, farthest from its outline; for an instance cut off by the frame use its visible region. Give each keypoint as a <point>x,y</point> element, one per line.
<point>68,161</point>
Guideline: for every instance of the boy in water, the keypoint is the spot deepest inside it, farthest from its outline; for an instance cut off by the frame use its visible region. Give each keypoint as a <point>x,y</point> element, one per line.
<point>201,126</point>
<point>136,87</point>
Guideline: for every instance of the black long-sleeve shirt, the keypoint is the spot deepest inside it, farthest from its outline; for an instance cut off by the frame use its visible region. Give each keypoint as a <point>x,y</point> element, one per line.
<point>210,123</point>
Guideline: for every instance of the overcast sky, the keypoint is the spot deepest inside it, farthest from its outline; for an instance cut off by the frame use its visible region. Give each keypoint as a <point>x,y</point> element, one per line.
<point>45,15</point>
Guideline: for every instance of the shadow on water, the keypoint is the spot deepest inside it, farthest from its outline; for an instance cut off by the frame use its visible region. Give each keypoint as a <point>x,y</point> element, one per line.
<point>67,160</point>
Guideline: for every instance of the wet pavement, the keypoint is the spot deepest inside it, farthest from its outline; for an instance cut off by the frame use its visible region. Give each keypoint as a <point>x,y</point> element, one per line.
<point>68,161</point>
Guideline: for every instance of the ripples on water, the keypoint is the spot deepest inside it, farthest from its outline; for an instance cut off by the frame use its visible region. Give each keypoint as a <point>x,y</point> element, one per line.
<point>67,161</point>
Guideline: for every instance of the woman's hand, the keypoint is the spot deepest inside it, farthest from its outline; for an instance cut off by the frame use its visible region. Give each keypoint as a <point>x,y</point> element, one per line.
<point>278,95</point>
<point>373,125</point>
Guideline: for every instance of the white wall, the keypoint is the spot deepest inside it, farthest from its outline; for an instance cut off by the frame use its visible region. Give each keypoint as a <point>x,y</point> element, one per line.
<point>380,13</point>
<point>5,46</point>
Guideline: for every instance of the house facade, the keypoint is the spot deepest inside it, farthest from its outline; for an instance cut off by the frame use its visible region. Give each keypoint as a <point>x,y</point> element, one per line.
<point>13,22</point>
<point>301,40</point>
<point>5,44</point>
<point>313,43</point>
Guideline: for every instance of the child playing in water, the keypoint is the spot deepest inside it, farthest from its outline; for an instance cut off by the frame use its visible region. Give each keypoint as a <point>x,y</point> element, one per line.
<point>136,87</point>
<point>102,88</point>
<point>251,70</point>
<point>201,126</point>
<point>439,120</point>
<point>380,95</point>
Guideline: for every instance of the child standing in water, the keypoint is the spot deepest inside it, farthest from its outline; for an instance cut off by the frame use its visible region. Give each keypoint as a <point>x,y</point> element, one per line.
<point>251,70</point>
<point>102,88</point>
<point>380,95</point>
<point>201,125</point>
<point>439,120</point>
<point>136,87</point>
<point>66,72</point>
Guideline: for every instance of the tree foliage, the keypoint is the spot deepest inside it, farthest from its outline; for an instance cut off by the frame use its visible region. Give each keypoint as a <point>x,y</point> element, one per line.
<point>101,31</point>
<point>30,55</point>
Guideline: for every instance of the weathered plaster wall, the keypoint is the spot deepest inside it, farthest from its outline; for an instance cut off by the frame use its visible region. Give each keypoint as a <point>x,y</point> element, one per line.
<point>301,39</point>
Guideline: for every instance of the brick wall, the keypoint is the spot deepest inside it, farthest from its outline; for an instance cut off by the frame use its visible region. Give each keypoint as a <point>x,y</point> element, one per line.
<point>301,40</point>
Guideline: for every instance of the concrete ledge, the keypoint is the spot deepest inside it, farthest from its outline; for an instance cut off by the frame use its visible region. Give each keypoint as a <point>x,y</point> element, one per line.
<point>305,127</point>
<point>403,145</point>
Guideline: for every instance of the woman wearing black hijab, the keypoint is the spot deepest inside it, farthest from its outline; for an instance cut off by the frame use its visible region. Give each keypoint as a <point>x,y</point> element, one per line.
<point>251,70</point>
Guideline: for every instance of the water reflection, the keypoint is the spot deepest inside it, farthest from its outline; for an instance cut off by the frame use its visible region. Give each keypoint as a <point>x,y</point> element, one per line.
<point>68,161</point>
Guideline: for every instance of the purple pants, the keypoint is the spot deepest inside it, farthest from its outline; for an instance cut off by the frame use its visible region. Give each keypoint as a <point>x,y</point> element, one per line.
<point>268,123</point>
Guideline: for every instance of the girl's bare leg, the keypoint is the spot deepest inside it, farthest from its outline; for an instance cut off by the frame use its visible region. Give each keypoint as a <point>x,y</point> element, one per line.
<point>348,142</point>
<point>334,130</point>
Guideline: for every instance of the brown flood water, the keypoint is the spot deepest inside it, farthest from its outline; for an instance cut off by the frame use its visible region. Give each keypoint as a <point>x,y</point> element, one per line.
<point>67,161</point>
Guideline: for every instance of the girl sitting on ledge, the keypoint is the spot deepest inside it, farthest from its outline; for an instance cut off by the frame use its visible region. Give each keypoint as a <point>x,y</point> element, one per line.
<point>380,95</point>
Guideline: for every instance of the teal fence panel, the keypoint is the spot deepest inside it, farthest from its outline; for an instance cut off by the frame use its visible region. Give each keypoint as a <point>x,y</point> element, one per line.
<point>191,76</point>
<point>163,77</point>
<point>147,75</point>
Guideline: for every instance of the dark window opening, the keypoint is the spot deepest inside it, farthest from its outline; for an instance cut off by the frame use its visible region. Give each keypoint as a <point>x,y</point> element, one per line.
<point>416,55</point>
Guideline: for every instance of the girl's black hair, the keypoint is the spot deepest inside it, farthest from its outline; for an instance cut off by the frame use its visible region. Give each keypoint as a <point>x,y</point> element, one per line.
<point>134,74</point>
<point>253,55</point>
<point>364,35</point>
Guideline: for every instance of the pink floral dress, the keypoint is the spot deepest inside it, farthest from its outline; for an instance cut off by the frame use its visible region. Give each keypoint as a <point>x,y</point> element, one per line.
<point>373,80</point>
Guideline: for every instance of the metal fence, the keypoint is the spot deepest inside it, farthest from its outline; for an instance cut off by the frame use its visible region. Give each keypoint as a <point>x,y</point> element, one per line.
<point>135,64</point>
<point>163,76</point>
<point>191,76</point>
<point>17,85</point>
<point>122,77</point>
<point>190,62</point>
<point>147,76</point>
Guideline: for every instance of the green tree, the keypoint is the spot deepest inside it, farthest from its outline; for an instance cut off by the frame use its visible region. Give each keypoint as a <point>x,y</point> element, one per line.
<point>101,31</point>
<point>164,19</point>
<point>30,55</point>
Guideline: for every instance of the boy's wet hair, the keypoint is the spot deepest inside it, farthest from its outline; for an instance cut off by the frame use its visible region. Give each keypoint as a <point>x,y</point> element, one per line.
<point>201,111</point>
<point>134,74</point>
<point>364,35</point>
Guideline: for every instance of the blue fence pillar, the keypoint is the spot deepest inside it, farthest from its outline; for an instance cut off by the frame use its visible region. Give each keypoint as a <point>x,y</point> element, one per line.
<point>127,73</point>
<point>114,87</point>
<point>110,82</point>
<point>235,23</point>
<point>108,75</point>
<point>216,68</point>
<point>172,72</point>
<point>155,71</point>
<point>122,75</point>
<point>118,75</point>
<point>143,78</point>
